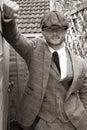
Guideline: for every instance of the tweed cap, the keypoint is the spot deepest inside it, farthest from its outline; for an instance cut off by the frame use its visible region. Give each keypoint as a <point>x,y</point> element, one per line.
<point>54,18</point>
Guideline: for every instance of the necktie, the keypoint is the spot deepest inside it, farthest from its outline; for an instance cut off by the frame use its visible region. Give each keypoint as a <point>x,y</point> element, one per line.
<point>56,60</point>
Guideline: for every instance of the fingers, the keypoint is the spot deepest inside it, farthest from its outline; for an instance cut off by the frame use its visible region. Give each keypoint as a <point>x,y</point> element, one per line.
<point>10,8</point>
<point>16,7</point>
<point>16,16</point>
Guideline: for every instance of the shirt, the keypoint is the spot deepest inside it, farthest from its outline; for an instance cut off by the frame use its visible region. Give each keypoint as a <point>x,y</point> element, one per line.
<point>62,60</point>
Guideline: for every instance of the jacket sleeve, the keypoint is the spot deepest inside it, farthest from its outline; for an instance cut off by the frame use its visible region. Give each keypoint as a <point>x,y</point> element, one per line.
<point>83,89</point>
<point>13,36</point>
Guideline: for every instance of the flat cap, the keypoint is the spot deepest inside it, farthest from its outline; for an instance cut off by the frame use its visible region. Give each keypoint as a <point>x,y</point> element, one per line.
<point>54,18</point>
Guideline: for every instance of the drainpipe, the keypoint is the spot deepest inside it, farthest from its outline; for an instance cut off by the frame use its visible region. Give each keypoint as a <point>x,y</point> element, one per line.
<point>52,5</point>
<point>3,80</point>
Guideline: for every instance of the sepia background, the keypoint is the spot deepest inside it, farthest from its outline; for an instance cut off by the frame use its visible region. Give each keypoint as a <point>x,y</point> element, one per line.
<point>30,14</point>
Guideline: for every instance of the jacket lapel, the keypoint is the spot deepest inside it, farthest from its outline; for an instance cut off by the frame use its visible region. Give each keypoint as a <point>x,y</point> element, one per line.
<point>46,68</point>
<point>76,73</point>
<point>69,72</point>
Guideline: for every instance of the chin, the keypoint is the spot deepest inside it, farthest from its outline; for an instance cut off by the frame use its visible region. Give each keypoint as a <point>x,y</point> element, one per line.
<point>56,43</point>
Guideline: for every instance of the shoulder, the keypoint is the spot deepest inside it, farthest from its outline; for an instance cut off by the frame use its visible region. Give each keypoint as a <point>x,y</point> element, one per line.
<point>81,61</point>
<point>38,42</point>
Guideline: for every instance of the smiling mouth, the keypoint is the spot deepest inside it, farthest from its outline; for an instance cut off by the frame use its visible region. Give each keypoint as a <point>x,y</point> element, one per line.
<point>55,39</point>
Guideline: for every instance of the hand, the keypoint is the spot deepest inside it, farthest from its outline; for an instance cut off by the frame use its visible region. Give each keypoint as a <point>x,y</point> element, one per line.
<point>10,9</point>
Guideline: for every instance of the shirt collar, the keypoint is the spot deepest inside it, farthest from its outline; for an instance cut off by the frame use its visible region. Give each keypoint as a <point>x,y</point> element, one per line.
<point>61,50</point>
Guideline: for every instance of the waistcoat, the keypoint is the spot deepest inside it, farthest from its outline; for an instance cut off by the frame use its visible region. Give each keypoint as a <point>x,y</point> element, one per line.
<point>52,106</point>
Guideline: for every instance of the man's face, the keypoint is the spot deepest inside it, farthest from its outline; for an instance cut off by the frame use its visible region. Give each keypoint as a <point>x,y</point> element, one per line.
<point>54,36</point>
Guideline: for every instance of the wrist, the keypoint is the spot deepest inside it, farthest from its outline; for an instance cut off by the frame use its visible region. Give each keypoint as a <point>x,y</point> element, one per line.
<point>6,18</point>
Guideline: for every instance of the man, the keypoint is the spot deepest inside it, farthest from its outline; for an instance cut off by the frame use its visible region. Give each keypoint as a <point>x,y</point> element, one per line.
<point>56,94</point>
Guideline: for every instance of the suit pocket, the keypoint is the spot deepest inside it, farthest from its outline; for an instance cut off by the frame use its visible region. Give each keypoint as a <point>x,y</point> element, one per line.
<point>76,112</point>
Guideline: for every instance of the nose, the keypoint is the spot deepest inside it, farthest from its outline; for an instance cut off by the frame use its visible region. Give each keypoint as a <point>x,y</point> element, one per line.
<point>54,32</point>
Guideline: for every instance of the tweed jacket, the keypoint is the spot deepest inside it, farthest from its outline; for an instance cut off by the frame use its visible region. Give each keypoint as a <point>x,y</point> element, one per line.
<point>38,58</point>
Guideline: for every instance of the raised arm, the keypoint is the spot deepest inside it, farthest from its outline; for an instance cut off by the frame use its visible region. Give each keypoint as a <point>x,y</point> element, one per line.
<point>12,34</point>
